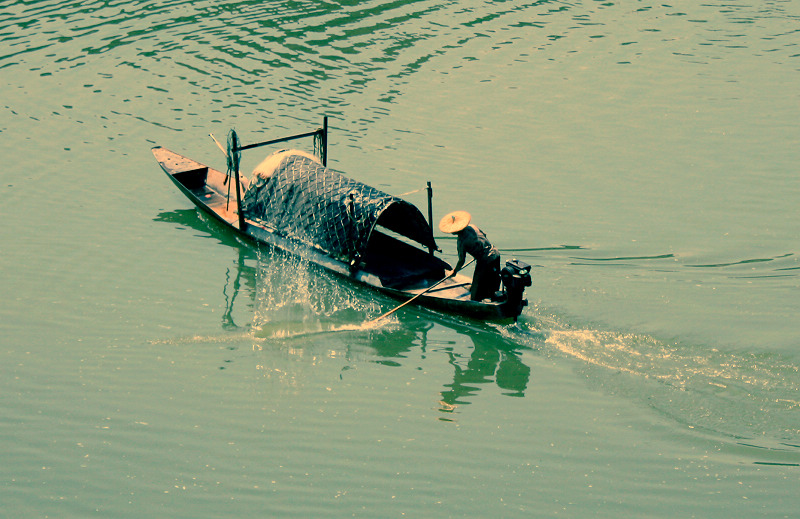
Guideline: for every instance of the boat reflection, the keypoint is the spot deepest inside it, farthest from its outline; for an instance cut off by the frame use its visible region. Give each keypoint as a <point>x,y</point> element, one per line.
<point>243,272</point>
<point>297,306</point>
<point>486,363</point>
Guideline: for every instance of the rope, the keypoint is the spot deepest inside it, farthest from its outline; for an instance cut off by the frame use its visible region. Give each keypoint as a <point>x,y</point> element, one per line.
<point>415,191</point>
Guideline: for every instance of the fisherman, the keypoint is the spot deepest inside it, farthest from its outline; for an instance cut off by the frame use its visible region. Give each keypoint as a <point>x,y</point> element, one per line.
<point>486,280</point>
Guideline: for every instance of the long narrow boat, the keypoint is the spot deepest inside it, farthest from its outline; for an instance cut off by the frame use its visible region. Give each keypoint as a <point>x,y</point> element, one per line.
<point>295,203</point>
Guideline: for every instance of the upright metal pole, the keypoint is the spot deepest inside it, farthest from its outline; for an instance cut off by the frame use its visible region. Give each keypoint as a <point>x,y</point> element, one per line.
<point>242,224</point>
<point>325,141</point>
<point>430,210</point>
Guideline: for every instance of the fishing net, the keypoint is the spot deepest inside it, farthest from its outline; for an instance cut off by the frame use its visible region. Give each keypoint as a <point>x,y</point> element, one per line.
<point>320,147</point>
<point>324,209</point>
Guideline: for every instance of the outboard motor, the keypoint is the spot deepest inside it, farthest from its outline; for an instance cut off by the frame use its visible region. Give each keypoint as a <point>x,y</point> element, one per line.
<point>516,275</point>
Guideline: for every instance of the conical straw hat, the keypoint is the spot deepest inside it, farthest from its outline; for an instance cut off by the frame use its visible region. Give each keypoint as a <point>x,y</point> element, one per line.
<point>454,222</point>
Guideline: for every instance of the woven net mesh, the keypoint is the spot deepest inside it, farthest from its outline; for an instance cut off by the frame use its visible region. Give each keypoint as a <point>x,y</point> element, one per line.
<point>322,208</point>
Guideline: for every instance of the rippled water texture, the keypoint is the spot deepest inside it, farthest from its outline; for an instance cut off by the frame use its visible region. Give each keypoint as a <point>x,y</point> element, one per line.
<point>641,156</point>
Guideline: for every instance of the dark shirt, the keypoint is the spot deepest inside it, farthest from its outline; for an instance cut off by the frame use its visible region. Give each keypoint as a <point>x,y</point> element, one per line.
<point>473,241</point>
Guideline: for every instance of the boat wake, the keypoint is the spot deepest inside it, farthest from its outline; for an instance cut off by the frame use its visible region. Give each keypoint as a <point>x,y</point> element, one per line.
<point>741,395</point>
<point>294,329</point>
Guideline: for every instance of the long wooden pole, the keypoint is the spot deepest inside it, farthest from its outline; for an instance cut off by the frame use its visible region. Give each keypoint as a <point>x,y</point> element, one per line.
<point>276,141</point>
<point>323,131</point>
<point>393,310</point>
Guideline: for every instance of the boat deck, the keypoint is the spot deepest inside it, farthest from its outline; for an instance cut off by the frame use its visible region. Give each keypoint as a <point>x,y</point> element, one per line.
<point>208,186</point>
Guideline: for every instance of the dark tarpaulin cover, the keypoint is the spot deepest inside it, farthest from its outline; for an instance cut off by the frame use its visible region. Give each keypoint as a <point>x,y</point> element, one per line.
<point>325,209</point>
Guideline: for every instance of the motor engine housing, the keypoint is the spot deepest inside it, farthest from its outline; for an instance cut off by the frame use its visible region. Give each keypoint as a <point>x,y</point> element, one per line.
<point>516,276</point>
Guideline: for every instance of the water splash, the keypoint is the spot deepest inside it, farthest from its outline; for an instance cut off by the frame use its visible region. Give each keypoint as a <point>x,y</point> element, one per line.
<point>294,297</point>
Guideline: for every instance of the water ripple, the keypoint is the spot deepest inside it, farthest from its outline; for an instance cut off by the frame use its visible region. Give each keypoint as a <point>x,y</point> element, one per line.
<point>257,57</point>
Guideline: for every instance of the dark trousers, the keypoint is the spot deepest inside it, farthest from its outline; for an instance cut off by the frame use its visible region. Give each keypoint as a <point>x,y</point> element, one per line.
<point>486,280</point>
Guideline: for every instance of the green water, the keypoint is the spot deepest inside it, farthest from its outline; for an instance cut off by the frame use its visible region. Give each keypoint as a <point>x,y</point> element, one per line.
<point>641,156</point>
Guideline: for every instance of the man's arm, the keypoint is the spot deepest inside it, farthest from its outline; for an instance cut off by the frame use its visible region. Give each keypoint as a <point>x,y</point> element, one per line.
<point>462,255</point>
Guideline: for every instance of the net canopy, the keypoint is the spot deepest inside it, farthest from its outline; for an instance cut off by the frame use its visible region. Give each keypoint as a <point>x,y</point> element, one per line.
<point>304,200</point>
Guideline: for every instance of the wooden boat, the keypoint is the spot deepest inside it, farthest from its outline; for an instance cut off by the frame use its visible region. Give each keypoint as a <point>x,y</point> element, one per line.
<point>345,226</point>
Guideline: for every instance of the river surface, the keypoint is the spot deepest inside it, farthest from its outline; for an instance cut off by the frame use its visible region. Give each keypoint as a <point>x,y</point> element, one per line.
<point>642,156</point>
